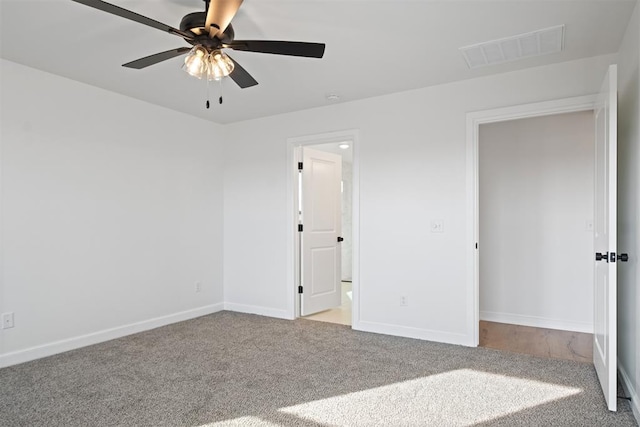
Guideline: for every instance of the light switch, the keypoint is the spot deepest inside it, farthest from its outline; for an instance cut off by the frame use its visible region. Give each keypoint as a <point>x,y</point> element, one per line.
<point>437,226</point>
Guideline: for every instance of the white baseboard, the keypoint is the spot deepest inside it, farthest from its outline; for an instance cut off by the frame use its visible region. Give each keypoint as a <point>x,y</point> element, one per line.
<point>255,309</point>
<point>537,322</point>
<point>410,332</point>
<point>630,391</point>
<point>61,346</point>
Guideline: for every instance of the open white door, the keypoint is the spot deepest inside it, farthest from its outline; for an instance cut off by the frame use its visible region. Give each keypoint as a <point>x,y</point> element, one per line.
<point>604,337</point>
<point>322,225</point>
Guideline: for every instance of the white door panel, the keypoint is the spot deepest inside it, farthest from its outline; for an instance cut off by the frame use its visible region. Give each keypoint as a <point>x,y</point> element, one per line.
<point>322,224</point>
<point>605,299</point>
<point>323,279</point>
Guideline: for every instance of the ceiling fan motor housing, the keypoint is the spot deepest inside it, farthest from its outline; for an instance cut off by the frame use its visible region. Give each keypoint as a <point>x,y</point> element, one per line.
<point>195,23</point>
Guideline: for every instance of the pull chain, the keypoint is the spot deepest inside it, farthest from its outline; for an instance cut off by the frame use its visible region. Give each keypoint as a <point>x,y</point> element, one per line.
<point>220,99</point>
<point>207,94</point>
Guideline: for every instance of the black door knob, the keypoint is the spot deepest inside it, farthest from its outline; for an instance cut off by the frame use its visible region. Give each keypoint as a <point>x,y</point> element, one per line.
<point>602,257</point>
<point>340,239</point>
<point>623,257</point>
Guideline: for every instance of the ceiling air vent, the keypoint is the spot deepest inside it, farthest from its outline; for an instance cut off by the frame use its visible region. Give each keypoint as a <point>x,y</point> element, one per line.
<point>535,43</point>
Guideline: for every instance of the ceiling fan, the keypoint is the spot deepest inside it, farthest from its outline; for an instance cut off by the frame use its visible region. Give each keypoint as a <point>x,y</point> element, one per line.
<point>210,32</point>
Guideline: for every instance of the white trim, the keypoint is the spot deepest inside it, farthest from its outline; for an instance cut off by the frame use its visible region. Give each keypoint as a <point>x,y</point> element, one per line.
<point>292,250</point>
<point>537,322</point>
<point>411,332</point>
<point>3,307</point>
<point>474,120</point>
<point>627,386</point>
<point>68,344</point>
<point>259,310</point>
<point>353,135</point>
<point>355,231</point>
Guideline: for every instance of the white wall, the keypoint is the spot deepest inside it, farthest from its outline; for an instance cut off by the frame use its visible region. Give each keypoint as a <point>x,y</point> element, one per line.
<point>629,210</point>
<point>536,198</point>
<point>412,170</point>
<point>110,214</point>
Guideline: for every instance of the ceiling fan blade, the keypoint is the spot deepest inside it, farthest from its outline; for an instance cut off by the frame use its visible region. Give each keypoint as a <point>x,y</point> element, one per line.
<point>124,13</point>
<point>219,15</point>
<point>241,76</point>
<point>308,50</point>
<point>154,59</point>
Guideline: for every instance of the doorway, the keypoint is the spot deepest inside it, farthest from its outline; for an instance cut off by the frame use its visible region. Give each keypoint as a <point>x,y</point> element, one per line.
<point>341,313</point>
<point>535,197</point>
<point>474,121</point>
<point>536,200</point>
<point>314,155</point>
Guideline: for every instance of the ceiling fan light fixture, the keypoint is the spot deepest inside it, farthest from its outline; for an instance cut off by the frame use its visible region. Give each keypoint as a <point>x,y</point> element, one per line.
<point>195,63</point>
<point>208,32</point>
<point>219,65</point>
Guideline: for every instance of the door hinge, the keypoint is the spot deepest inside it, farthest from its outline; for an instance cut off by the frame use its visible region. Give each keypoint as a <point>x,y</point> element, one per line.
<point>300,289</point>
<point>300,228</point>
<point>476,245</point>
<point>299,166</point>
<point>612,257</point>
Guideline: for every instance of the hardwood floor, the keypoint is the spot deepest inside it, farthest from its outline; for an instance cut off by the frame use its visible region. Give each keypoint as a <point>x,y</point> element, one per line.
<point>542,342</point>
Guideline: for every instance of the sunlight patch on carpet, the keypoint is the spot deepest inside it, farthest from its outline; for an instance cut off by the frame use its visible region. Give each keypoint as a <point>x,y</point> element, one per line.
<point>458,398</point>
<point>247,421</point>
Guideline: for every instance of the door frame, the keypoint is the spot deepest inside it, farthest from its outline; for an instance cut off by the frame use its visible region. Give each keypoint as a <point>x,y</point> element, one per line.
<point>474,120</point>
<point>293,243</point>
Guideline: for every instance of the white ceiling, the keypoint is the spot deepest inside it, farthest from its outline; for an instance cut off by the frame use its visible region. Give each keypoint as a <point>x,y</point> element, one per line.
<point>373,47</point>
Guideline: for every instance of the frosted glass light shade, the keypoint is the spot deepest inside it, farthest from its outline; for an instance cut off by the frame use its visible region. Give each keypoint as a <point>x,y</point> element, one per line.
<point>220,65</point>
<point>195,63</point>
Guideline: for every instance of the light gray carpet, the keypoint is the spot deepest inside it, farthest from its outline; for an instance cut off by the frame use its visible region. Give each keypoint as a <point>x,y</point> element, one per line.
<point>231,369</point>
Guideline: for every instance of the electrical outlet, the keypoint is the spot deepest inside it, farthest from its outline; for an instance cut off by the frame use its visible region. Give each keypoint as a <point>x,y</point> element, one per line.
<point>7,320</point>
<point>403,301</point>
<point>198,287</point>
